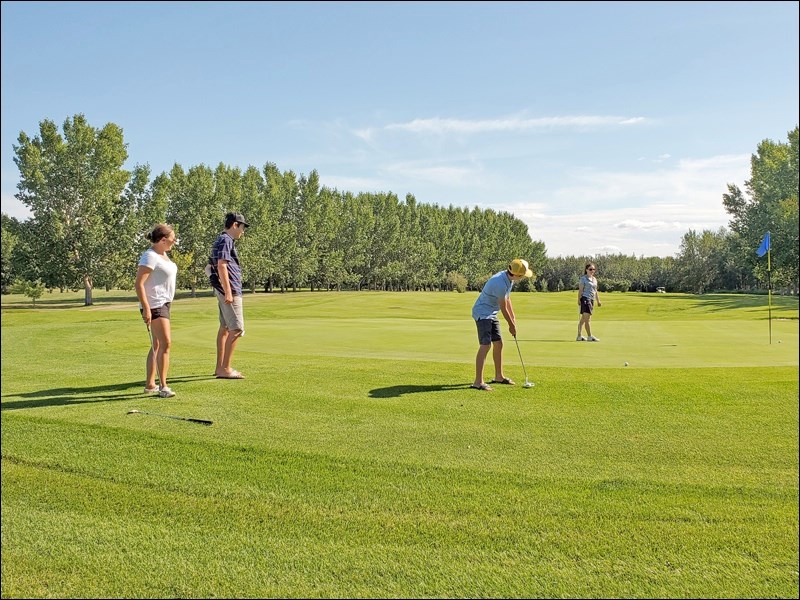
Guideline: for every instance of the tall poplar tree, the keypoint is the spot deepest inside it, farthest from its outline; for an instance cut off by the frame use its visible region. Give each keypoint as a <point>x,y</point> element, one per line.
<point>73,186</point>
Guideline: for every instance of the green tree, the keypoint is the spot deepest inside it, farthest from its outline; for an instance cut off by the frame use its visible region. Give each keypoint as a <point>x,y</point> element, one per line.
<point>31,289</point>
<point>770,204</point>
<point>329,268</point>
<point>73,187</point>
<point>697,261</point>
<point>197,219</point>
<point>282,199</point>
<point>10,242</point>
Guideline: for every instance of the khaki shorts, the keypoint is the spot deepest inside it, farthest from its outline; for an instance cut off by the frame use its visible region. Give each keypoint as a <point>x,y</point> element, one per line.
<point>231,316</point>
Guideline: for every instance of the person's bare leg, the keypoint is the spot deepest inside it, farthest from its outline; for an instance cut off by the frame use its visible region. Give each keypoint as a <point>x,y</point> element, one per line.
<point>480,362</point>
<point>497,355</point>
<point>584,323</point>
<point>229,346</point>
<point>222,338</point>
<point>163,340</point>
<point>151,369</point>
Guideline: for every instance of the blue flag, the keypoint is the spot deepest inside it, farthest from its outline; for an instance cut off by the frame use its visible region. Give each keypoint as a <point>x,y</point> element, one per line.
<point>764,247</point>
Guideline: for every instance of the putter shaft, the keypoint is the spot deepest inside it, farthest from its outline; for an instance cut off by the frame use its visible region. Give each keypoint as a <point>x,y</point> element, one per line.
<point>522,362</point>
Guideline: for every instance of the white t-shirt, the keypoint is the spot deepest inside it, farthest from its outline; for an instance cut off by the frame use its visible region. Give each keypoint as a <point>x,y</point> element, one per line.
<point>160,286</point>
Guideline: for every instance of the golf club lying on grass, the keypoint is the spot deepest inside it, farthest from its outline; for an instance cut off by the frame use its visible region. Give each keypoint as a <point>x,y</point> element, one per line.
<point>527,383</point>
<point>144,412</point>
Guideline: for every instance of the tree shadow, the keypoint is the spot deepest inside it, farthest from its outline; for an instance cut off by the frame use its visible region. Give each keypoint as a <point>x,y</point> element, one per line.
<point>719,302</point>
<point>394,391</point>
<point>83,395</point>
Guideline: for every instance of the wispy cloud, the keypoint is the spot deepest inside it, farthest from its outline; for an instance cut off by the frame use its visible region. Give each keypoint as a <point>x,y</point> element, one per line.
<point>443,126</point>
<point>648,225</point>
<point>633,213</point>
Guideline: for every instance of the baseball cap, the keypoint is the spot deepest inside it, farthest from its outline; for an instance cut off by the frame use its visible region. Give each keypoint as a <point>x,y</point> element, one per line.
<point>232,218</point>
<point>519,268</point>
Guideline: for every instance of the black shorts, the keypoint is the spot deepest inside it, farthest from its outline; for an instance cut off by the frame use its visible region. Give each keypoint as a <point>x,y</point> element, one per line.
<point>162,312</point>
<point>488,331</point>
<point>587,305</point>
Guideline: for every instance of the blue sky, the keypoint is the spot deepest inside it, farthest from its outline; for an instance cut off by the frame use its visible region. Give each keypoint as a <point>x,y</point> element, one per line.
<point>605,126</point>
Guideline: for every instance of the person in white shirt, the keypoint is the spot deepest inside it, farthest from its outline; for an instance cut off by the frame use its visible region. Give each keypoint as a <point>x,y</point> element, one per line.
<point>155,287</point>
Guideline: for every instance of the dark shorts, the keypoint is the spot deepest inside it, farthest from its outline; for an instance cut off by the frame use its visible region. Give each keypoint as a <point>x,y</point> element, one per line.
<point>587,305</point>
<point>488,331</point>
<point>162,312</point>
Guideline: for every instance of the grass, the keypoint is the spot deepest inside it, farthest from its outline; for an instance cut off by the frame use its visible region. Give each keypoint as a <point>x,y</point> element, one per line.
<point>354,461</point>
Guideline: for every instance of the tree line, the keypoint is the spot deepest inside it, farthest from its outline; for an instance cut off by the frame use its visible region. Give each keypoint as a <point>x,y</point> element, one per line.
<point>89,217</point>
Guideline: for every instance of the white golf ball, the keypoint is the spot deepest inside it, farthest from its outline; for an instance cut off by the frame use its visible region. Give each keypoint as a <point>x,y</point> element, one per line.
<point>626,363</point>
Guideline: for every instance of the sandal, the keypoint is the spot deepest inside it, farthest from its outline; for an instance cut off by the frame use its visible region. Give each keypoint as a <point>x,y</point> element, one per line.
<point>233,375</point>
<point>482,386</point>
<point>504,380</point>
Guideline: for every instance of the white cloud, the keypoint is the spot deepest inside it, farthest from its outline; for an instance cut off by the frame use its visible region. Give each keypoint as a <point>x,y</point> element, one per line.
<point>648,225</point>
<point>364,134</point>
<point>441,126</point>
<point>632,213</point>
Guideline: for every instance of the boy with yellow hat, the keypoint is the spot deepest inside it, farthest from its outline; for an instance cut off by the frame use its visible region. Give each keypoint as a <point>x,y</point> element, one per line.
<point>496,297</point>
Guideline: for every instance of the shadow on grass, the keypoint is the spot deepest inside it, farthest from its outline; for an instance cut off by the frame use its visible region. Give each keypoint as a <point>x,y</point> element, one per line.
<point>83,395</point>
<point>723,302</point>
<point>394,391</point>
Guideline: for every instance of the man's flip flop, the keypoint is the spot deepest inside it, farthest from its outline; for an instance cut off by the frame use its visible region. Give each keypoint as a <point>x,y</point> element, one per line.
<point>233,375</point>
<point>482,386</point>
<point>505,381</point>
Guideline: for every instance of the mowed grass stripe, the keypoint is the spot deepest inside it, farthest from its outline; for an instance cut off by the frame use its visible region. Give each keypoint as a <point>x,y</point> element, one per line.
<point>277,503</point>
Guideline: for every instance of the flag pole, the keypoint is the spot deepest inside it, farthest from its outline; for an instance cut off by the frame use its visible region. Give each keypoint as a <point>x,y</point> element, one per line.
<point>769,292</point>
<point>765,248</point>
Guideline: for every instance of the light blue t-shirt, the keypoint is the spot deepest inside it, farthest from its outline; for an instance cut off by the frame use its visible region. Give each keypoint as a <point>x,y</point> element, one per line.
<point>488,303</point>
<point>589,287</point>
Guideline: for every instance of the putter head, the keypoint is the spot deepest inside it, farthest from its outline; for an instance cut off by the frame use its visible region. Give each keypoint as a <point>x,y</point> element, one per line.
<point>130,412</point>
<point>528,384</point>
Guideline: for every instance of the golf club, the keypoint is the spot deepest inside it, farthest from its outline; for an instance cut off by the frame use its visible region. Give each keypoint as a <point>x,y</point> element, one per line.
<point>527,383</point>
<point>152,414</point>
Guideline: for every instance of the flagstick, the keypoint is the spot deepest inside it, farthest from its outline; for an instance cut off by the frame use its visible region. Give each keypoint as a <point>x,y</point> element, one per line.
<point>769,294</point>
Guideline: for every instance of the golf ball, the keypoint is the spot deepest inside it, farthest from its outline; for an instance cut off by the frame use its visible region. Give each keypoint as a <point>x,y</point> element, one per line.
<point>626,363</point>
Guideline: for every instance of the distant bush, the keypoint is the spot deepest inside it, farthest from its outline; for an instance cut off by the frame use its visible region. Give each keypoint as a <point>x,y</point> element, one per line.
<point>614,285</point>
<point>456,281</point>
